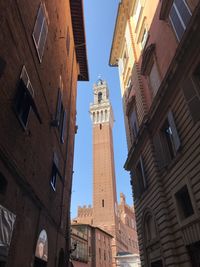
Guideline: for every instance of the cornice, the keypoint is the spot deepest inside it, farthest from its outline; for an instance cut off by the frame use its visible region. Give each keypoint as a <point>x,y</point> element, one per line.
<point>123,15</point>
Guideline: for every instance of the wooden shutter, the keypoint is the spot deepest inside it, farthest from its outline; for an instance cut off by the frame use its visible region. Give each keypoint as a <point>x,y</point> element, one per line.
<point>143,172</point>
<point>159,152</point>
<point>175,135</point>
<point>64,126</point>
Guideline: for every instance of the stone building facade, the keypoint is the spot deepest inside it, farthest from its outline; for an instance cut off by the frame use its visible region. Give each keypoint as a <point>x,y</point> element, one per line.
<point>159,77</point>
<point>40,62</point>
<point>117,220</point>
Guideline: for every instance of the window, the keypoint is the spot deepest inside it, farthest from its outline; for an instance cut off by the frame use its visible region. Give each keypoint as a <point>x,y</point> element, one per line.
<point>99,253</point>
<point>2,66</point>
<point>3,184</point>
<point>184,203</point>
<point>103,203</point>
<point>133,124</point>
<point>125,56</point>
<point>99,97</point>
<point>104,255</point>
<point>154,79</point>
<point>140,179</point>
<point>24,101</point>
<point>179,16</point>
<point>170,136</point>
<point>191,91</point>
<point>137,15</point>
<point>166,142</point>
<point>68,41</point>
<point>40,30</point>
<point>144,38</point>
<point>150,228</point>
<point>55,174</point>
<point>60,120</point>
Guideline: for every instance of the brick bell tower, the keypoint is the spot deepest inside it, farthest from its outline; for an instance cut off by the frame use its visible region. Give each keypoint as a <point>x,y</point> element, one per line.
<point>105,206</point>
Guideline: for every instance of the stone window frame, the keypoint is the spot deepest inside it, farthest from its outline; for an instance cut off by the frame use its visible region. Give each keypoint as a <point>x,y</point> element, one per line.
<point>185,221</point>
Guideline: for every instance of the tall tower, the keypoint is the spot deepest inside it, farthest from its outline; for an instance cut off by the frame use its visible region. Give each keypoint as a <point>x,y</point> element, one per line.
<point>104,182</point>
<point>115,219</point>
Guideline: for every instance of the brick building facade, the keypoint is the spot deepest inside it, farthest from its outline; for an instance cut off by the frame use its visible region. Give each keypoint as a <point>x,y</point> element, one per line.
<point>42,54</point>
<point>93,246</point>
<point>157,52</point>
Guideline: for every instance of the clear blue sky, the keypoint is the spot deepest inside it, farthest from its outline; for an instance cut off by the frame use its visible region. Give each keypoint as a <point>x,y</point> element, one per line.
<point>100,18</point>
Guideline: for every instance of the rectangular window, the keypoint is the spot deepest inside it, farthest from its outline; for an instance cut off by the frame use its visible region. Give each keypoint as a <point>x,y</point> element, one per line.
<point>68,41</point>
<point>170,136</point>
<point>133,124</point>
<point>103,203</point>
<point>24,101</point>
<point>140,179</point>
<point>55,174</point>
<point>60,120</point>
<point>40,30</point>
<point>179,16</point>
<point>144,38</point>
<point>166,141</point>
<point>154,79</point>
<point>184,203</point>
<point>121,66</point>
<point>137,15</point>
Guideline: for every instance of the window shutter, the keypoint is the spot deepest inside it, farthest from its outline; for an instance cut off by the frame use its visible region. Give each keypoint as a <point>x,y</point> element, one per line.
<point>175,135</point>
<point>64,126</point>
<point>59,104</point>
<point>143,172</point>
<point>159,153</point>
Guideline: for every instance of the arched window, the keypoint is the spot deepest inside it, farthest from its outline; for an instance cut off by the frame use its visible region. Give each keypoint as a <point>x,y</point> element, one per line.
<point>99,97</point>
<point>41,252</point>
<point>3,184</point>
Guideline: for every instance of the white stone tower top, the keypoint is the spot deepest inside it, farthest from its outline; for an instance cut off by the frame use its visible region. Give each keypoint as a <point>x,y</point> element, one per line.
<point>101,109</point>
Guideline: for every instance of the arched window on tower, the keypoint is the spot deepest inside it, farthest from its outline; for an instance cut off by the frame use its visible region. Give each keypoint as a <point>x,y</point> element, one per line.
<point>99,97</point>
